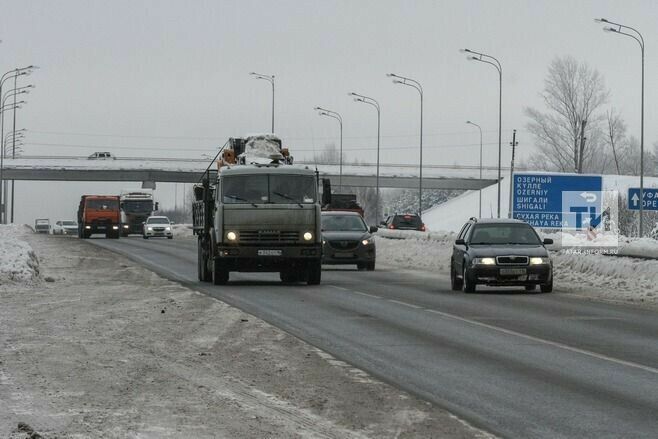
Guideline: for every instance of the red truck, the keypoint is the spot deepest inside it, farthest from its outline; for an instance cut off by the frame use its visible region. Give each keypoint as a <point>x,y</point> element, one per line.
<point>99,214</point>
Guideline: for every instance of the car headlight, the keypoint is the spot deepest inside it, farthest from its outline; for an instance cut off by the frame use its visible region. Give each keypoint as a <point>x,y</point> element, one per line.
<point>167,229</point>
<point>324,242</point>
<point>308,236</point>
<point>367,241</point>
<point>484,261</point>
<point>231,236</point>
<point>150,228</point>
<point>538,261</point>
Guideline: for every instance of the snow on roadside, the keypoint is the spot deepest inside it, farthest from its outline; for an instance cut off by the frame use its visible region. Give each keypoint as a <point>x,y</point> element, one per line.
<point>594,275</point>
<point>18,262</point>
<point>182,230</point>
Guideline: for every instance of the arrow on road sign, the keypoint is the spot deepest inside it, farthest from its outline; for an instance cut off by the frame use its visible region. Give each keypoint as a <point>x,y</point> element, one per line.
<point>588,196</point>
<point>635,199</point>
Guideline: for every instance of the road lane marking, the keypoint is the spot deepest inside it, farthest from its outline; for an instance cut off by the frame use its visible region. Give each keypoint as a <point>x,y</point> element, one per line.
<point>548,342</point>
<point>356,292</point>
<point>405,304</point>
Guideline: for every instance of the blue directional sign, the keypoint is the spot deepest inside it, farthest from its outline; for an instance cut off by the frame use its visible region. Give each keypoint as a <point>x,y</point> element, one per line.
<point>557,201</point>
<point>650,196</point>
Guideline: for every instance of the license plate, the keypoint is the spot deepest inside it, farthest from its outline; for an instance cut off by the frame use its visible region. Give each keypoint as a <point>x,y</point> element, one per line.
<point>269,252</point>
<point>512,271</point>
<point>343,255</point>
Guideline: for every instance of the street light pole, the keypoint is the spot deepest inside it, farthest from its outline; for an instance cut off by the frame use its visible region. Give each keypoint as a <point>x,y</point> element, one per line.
<point>374,103</point>
<point>623,30</point>
<point>3,108</point>
<point>480,190</point>
<point>415,84</point>
<point>12,73</point>
<point>335,115</point>
<point>483,57</point>
<point>270,79</point>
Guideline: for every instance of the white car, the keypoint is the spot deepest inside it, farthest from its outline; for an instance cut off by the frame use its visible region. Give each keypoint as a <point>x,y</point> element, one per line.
<point>102,156</point>
<point>65,228</point>
<point>157,226</point>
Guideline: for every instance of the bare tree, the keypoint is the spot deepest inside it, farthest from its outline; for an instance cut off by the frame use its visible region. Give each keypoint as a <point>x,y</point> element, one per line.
<point>566,133</point>
<point>615,137</point>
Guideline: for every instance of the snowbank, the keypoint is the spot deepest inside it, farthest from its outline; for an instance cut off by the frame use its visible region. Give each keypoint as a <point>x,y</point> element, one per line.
<point>428,251</point>
<point>18,262</point>
<point>182,230</point>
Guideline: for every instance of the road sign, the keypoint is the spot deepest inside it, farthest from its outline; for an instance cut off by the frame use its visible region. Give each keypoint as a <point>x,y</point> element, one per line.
<point>557,201</point>
<point>650,196</point>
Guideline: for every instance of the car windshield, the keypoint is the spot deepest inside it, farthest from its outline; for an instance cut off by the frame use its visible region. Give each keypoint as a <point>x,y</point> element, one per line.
<point>343,223</point>
<point>406,221</point>
<point>137,206</point>
<point>102,204</point>
<point>504,234</point>
<point>269,189</point>
<point>68,223</point>
<point>157,221</point>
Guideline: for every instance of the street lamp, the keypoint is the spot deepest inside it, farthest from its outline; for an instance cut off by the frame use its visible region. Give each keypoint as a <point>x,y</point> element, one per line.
<point>637,36</point>
<point>480,195</point>
<point>270,79</point>
<point>374,103</point>
<point>415,84</point>
<point>21,71</point>
<point>334,115</point>
<point>483,57</point>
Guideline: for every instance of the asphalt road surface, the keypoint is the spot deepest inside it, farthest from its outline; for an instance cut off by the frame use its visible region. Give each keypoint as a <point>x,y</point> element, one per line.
<point>515,364</point>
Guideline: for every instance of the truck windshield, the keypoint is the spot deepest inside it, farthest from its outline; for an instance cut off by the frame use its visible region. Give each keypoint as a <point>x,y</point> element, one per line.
<point>137,206</point>
<point>97,204</point>
<point>269,189</point>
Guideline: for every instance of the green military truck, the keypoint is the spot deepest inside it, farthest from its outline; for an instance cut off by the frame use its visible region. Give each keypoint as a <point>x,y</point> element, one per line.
<point>258,213</point>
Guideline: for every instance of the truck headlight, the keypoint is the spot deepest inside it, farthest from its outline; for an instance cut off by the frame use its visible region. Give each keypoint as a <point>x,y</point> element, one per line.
<point>308,236</point>
<point>538,261</point>
<point>87,227</point>
<point>231,236</point>
<point>484,261</point>
<point>125,226</point>
<point>115,227</point>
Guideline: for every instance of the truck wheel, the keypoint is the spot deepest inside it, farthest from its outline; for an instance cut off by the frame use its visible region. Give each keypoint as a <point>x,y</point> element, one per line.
<point>314,273</point>
<point>202,264</point>
<point>219,273</point>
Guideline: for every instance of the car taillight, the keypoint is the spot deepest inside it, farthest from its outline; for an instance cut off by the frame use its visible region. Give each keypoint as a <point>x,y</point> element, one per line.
<point>391,226</point>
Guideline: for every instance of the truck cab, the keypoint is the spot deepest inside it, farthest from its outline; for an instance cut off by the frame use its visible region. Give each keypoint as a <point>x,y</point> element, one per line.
<point>99,214</point>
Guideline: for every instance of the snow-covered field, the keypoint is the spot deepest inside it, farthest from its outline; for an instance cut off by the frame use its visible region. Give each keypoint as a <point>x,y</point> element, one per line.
<point>18,262</point>
<point>623,279</point>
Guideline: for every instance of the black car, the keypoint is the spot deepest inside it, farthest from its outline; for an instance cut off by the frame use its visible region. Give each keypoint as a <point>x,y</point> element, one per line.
<point>500,252</point>
<point>407,221</point>
<point>347,240</point>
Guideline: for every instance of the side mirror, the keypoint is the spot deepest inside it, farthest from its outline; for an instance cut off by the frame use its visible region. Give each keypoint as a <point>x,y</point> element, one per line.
<point>373,229</point>
<point>460,242</point>
<point>144,222</point>
<point>548,241</point>
<point>157,206</point>
<point>172,223</point>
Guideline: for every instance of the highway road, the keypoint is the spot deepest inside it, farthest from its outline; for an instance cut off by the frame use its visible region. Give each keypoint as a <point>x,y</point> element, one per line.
<point>514,364</point>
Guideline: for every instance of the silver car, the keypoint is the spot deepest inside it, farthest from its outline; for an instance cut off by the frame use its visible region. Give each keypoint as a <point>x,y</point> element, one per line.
<point>157,226</point>
<point>65,228</point>
<point>346,239</point>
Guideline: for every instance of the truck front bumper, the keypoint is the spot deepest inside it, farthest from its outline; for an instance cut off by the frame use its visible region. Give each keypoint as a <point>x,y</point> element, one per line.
<point>267,258</point>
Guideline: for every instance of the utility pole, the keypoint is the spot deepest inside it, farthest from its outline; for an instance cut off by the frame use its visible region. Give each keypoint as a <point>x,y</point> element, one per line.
<point>511,174</point>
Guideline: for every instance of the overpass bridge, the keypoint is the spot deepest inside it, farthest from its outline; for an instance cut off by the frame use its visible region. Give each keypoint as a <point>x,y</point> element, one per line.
<point>190,171</point>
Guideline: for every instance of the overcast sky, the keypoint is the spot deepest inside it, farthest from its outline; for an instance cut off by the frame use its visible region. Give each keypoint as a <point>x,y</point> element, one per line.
<point>170,78</point>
